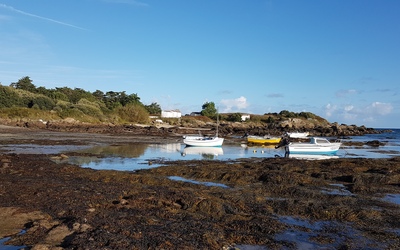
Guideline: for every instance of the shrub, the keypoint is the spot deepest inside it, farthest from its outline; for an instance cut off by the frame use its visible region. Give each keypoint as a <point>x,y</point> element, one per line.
<point>8,97</point>
<point>42,102</point>
<point>90,110</point>
<point>133,113</point>
<point>235,117</point>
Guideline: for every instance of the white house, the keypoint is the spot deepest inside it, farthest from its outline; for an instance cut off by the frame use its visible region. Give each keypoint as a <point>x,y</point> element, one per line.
<point>245,117</point>
<point>171,114</point>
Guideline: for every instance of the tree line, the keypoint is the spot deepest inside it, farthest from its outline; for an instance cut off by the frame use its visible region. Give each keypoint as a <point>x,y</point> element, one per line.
<point>66,101</point>
<point>24,99</point>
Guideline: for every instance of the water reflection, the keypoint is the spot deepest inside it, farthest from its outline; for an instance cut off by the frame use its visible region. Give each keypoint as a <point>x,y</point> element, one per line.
<point>312,156</point>
<point>139,155</point>
<point>205,152</point>
<point>132,157</point>
<point>130,150</point>
<point>210,184</point>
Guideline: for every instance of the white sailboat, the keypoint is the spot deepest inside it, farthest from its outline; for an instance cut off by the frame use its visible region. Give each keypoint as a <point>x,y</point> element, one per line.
<point>204,141</point>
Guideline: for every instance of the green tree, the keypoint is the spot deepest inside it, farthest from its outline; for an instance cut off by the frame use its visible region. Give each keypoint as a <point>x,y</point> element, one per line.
<point>98,94</point>
<point>154,108</point>
<point>111,100</point>
<point>235,117</point>
<point>287,114</point>
<point>209,110</point>
<point>125,99</point>
<point>24,83</point>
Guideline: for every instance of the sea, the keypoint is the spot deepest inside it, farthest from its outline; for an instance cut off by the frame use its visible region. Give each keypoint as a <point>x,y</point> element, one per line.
<point>143,156</point>
<point>390,138</point>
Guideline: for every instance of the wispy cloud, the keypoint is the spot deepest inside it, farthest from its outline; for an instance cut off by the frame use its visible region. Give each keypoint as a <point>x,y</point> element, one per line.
<point>380,108</point>
<point>275,95</point>
<point>40,17</point>
<point>346,92</point>
<point>131,2</point>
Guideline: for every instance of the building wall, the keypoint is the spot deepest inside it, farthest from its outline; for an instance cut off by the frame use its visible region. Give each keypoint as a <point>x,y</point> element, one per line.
<point>171,114</point>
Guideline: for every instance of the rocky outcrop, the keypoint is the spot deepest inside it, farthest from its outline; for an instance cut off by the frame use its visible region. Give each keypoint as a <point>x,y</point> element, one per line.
<point>315,127</point>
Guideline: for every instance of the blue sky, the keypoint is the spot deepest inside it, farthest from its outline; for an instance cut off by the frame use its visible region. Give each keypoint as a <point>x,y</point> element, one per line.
<point>339,59</point>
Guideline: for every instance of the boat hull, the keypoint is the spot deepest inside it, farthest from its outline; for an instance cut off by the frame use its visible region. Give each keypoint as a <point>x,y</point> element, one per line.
<point>262,140</point>
<point>313,156</point>
<point>311,149</point>
<point>203,141</point>
<point>315,146</point>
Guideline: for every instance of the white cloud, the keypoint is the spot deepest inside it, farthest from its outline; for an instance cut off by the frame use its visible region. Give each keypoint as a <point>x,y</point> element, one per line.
<point>348,108</point>
<point>330,109</point>
<point>234,104</point>
<point>358,114</point>
<point>379,108</point>
<point>346,92</point>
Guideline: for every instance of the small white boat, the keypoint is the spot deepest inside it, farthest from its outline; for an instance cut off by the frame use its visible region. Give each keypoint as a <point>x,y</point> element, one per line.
<point>298,134</point>
<point>203,141</point>
<point>215,151</point>
<point>316,145</point>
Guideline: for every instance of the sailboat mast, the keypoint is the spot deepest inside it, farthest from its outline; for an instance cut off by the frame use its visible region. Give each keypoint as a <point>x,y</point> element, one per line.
<point>217,122</point>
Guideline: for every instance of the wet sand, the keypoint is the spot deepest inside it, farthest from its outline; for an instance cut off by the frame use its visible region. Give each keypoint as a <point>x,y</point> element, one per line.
<point>277,203</point>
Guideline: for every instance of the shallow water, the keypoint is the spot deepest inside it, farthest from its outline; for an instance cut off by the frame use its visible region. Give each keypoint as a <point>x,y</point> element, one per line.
<point>210,184</point>
<point>392,198</point>
<point>8,247</point>
<point>131,157</point>
<point>303,234</point>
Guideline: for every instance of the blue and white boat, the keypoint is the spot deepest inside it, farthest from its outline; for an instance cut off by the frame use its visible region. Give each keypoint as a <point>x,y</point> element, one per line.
<point>316,145</point>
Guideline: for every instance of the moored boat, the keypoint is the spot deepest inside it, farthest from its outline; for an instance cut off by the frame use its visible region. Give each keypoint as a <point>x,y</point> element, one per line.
<point>203,141</point>
<point>298,134</point>
<point>263,139</point>
<point>316,145</point>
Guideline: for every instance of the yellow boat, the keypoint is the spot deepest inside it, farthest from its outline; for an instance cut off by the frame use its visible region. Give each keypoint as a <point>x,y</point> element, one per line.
<point>263,139</point>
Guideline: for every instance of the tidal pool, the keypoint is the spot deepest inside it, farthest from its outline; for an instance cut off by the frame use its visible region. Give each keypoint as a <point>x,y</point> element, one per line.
<point>393,198</point>
<point>210,184</point>
<point>304,234</point>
